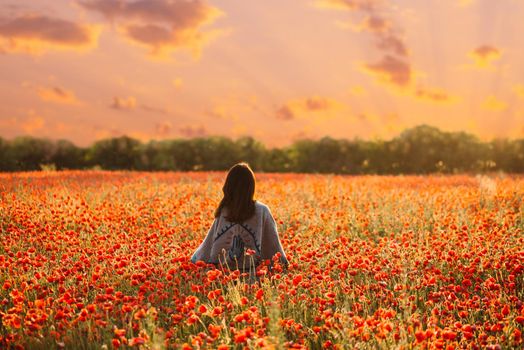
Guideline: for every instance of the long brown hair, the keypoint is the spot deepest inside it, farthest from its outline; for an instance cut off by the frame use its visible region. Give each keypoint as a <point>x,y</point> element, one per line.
<point>239,190</point>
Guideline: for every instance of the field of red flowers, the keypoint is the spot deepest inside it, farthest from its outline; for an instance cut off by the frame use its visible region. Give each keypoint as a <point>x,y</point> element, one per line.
<point>94,260</point>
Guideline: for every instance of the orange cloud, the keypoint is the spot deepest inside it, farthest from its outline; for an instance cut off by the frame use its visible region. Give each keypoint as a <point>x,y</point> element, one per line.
<point>178,82</point>
<point>121,103</point>
<point>483,56</point>
<point>357,91</point>
<point>519,90</point>
<point>234,105</point>
<point>285,113</point>
<point>191,131</point>
<point>32,124</point>
<point>398,74</point>
<point>374,23</point>
<point>310,106</point>
<point>162,26</point>
<point>465,3</point>
<point>8,122</point>
<point>492,103</point>
<point>393,68</point>
<point>163,129</point>
<point>392,71</point>
<point>37,34</point>
<point>434,95</point>
<point>154,109</point>
<point>365,5</point>
<point>317,103</point>
<point>392,44</point>
<point>222,111</point>
<point>58,95</point>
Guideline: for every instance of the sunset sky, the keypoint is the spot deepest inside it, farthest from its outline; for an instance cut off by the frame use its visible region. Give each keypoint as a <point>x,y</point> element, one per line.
<point>275,70</point>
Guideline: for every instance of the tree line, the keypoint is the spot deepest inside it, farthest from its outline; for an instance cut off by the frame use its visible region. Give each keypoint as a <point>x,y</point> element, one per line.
<point>419,150</point>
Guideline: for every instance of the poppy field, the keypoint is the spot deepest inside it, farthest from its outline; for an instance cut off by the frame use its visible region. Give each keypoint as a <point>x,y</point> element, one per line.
<point>101,260</point>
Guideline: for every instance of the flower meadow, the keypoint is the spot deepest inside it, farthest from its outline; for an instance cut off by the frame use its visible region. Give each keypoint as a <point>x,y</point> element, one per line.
<point>101,260</point>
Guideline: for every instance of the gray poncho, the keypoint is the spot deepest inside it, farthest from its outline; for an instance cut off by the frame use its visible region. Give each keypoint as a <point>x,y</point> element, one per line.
<point>259,234</point>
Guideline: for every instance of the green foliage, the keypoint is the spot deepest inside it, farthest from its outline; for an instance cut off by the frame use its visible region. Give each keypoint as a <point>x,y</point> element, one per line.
<point>115,154</point>
<point>67,156</point>
<point>27,153</point>
<point>420,150</point>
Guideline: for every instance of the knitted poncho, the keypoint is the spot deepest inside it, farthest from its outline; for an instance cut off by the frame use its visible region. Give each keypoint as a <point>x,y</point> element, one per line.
<point>259,234</point>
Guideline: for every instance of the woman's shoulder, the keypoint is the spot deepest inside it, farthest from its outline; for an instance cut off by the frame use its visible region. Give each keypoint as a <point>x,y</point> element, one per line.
<point>261,207</point>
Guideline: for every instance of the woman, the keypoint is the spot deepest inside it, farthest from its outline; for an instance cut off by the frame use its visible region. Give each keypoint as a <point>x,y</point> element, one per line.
<point>244,231</point>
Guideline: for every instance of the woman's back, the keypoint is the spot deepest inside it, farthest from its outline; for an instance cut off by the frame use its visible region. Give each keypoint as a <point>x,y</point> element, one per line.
<point>258,234</point>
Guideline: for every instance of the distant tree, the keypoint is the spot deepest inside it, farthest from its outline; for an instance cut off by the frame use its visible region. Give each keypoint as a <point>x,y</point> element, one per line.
<point>353,156</point>
<point>518,157</point>
<point>419,150</point>
<point>185,155</point>
<point>155,155</point>
<point>329,156</point>
<point>115,153</point>
<point>302,153</point>
<point>67,156</point>
<point>250,150</point>
<point>215,153</point>
<point>7,162</point>
<point>277,160</point>
<point>324,156</point>
<point>376,157</point>
<point>29,153</point>
<point>508,155</point>
<point>333,156</point>
<point>463,152</point>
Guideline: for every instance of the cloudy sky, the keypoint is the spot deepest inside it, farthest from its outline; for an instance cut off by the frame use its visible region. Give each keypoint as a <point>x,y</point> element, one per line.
<point>276,70</point>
